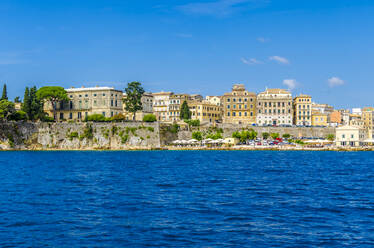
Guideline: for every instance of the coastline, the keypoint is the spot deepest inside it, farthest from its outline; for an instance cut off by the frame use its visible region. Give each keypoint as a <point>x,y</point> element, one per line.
<point>199,149</point>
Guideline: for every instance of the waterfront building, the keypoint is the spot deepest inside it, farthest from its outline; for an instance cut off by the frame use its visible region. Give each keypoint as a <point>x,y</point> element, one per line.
<point>352,136</point>
<point>175,104</point>
<point>320,119</point>
<point>147,107</point>
<point>161,101</point>
<point>239,106</point>
<point>216,100</point>
<point>274,107</point>
<point>87,101</point>
<point>205,111</point>
<point>303,110</point>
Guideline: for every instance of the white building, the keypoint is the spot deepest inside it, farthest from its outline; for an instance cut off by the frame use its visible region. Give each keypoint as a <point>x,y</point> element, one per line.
<point>352,136</point>
<point>161,102</point>
<point>274,107</point>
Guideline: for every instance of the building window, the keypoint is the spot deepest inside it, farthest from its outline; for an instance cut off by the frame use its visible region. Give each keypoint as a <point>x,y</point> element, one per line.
<point>104,114</point>
<point>70,116</point>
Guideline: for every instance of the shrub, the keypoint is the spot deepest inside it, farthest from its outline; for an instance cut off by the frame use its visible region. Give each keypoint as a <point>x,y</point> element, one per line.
<point>286,136</point>
<point>87,133</point>
<point>96,118</point>
<point>149,118</point>
<point>330,137</point>
<point>114,130</point>
<point>124,138</point>
<point>193,123</point>
<point>265,135</point>
<point>274,135</point>
<point>46,118</point>
<point>197,135</point>
<point>118,118</point>
<point>174,128</point>
<point>73,135</point>
<point>214,136</point>
<point>151,129</point>
<point>19,116</point>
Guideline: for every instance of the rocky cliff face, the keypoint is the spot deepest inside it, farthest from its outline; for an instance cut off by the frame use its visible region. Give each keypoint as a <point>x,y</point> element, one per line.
<point>79,136</point>
<point>118,136</point>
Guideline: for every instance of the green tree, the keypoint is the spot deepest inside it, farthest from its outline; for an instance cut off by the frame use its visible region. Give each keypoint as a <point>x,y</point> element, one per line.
<point>4,96</point>
<point>17,99</point>
<point>252,134</point>
<point>53,95</point>
<point>6,109</point>
<point>236,135</point>
<point>132,100</point>
<point>26,102</point>
<point>185,113</point>
<point>197,135</point>
<point>265,135</point>
<point>330,137</point>
<point>286,136</point>
<point>274,135</point>
<point>36,106</point>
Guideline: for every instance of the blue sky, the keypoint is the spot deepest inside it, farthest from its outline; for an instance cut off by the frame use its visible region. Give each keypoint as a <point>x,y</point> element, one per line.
<point>319,47</point>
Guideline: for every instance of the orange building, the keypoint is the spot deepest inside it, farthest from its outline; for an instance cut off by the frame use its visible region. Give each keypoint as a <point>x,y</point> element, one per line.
<point>336,117</point>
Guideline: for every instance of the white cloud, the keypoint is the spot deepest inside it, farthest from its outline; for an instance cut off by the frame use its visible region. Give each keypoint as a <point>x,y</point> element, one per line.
<point>262,39</point>
<point>251,61</point>
<point>290,83</point>
<point>280,60</point>
<point>220,7</point>
<point>335,81</point>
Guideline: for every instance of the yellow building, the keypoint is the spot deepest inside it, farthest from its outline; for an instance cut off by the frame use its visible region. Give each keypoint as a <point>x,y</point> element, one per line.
<point>320,119</point>
<point>239,106</point>
<point>205,111</point>
<point>87,101</point>
<point>303,110</point>
<point>175,104</point>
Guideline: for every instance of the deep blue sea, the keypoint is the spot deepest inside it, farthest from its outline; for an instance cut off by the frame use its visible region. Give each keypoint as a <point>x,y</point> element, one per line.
<point>187,199</point>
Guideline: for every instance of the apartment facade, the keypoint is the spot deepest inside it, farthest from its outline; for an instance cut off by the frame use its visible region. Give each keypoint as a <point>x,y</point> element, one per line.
<point>161,101</point>
<point>320,119</point>
<point>147,107</point>
<point>274,107</point>
<point>205,111</point>
<point>303,110</point>
<point>239,106</point>
<point>87,101</point>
